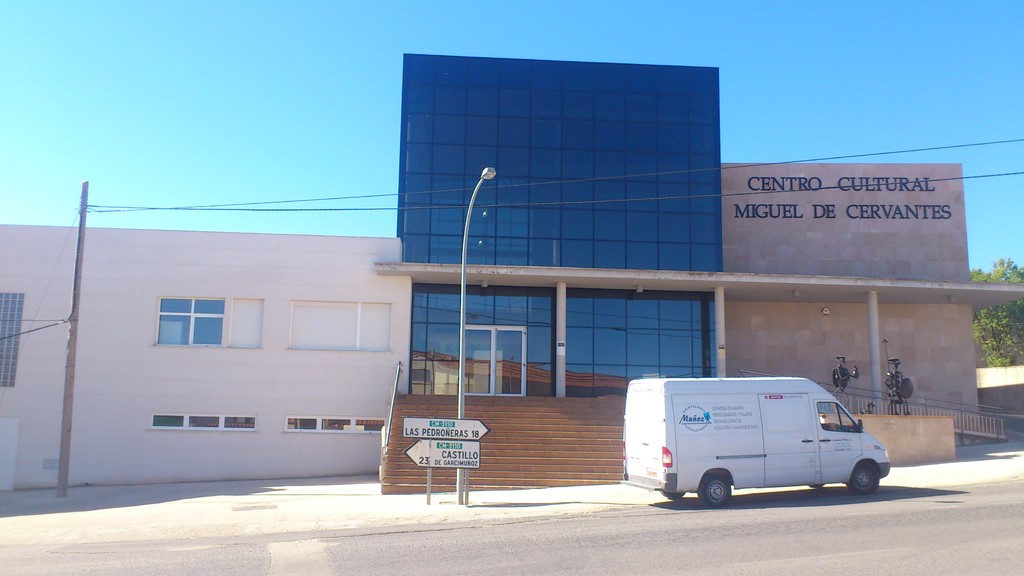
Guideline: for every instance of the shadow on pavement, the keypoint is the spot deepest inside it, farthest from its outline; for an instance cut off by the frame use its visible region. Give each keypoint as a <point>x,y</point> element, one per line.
<point>87,498</point>
<point>816,497</point>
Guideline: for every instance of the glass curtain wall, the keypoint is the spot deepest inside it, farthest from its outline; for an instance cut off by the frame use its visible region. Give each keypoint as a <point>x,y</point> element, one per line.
<point>435,336</point>
<point>613,337</point>
<point>599,165</point>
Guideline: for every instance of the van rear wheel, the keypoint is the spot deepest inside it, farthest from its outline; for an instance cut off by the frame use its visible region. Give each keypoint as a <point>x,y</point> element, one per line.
<point>715,491</point>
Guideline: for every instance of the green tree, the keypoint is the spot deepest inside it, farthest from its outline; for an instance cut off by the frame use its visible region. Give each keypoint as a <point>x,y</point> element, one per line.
<point>999,330</point>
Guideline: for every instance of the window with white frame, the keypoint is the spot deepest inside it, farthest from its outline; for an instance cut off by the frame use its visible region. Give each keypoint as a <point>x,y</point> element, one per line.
<point>202,422</point>
<point>332,424</point>
<point>341,326</point>
<point>191,322</point>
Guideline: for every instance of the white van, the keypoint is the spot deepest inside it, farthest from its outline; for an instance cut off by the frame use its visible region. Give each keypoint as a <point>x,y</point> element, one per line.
<point>707,435</point>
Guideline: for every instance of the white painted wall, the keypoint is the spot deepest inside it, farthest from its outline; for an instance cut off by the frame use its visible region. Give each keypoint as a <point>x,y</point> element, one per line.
<point>124,378</point>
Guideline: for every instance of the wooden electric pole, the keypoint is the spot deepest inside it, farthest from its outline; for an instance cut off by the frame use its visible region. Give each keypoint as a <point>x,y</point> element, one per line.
<point>64,465</point>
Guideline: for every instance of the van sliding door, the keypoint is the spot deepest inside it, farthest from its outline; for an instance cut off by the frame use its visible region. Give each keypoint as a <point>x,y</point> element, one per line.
<point>790,442</point>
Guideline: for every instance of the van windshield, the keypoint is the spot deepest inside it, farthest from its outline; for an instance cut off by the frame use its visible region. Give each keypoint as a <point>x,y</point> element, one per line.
<point>834,418</point>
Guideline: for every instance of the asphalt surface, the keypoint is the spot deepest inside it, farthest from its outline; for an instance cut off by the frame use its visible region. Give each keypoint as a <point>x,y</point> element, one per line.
<point>96,514</point>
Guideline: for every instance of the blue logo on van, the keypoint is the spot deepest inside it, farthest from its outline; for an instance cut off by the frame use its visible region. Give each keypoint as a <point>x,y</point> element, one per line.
<point>695,418</point>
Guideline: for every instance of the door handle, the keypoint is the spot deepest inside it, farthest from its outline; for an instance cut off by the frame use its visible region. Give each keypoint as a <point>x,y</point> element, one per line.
<point>807,441</point>
<point>824,440</point>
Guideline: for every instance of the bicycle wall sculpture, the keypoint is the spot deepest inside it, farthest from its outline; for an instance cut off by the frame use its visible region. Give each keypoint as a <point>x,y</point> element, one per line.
<point>898,388</point>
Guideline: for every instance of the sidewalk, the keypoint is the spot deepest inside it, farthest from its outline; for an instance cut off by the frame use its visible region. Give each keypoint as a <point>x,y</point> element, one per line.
<point>96,514</point>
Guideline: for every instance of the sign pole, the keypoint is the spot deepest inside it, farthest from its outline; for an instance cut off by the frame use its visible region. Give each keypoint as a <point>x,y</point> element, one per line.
<point>430,480</point>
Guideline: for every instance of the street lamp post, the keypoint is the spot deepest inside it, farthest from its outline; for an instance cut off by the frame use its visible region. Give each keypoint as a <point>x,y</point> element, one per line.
<point>460,473</point>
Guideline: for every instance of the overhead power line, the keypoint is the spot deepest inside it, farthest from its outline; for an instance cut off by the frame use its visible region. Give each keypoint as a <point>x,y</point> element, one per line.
<point>250,206</point>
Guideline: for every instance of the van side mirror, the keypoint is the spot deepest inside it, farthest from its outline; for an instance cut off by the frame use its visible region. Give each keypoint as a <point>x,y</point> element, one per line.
<point>860,425</point>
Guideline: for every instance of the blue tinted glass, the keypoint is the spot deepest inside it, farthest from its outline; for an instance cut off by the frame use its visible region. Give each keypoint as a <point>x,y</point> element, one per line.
<point>546,133</point>
<point>417,157</point>
<point>673,227</point>
<point>673,108</point>
<point>450,129</point>
<point>544,222</point>
<point>642,313</point>
<point>446,249</point>
<point>674,168</point>
<point>578,76</point>
<point>514,132</point>
<point>706,257</point>
<point>180,305</point>
<point>449,160</point>
<point>547,74</point>
<point>513,162</point>
<point>481,156</point>
<point>416,248</point>
<point>642,348</point>
<point>512,221</point>
<point>579,345</point>
<point>449,100</point>
<point>450,70</point>
<point>543,252</point>
<point>610,106</point>
<point>514,102</point>
<point>610,77</point>
<point>609,225</point>
<point>208,331</point>
<point>578,223</point>
<point>578,105</point>
<point>610,190</point>
<point>578,135</point>
<point>642,255</point>
<point>514,73</point>
<point>641,225</point>
<point>642,79</point>
<point>546,104</point>
<point>577,254</point>
<point>577,164</point>
<point>674,256</point>
<point>482,101</point>
<point>641,137</point>
<point>579,311</point>
<point>608,164</point>
<point>610,345</point>
<point>416,221</point>
<point>674,81</point>
<point>579,381</point>
<point>545,163</point>
<point>419,99</point>
<point>481,72</point>
<point>511,251</point>
<point>174,330</point>
<point>540,306</point>
<point>482,130</point>
<point>209,307</point>
<point>641,108</point>
<point>610,135</point>
<point>418,69</point>
<point>609,255</point>
<point>610,310</point>
<point>573,192</point>
<point>419,128</point>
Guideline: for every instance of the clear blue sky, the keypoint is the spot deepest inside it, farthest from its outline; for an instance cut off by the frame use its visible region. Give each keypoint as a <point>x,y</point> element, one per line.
<point>185,103</point>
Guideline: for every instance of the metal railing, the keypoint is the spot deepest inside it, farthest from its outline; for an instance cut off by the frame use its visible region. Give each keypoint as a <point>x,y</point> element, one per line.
<point>974,421</point>
<point>386,436</point>
<point>969,420</point>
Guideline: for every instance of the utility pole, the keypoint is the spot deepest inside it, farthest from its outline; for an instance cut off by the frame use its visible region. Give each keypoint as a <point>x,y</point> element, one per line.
<point>64,464</point>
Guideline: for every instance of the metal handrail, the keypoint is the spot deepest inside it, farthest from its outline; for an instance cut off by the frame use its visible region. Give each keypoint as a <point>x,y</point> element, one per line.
<point>973,419</point>
<point>391,412</point>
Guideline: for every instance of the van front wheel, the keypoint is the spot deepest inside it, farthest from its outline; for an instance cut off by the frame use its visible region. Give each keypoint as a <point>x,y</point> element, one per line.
<point>864,479</point>
<point>715,491</point>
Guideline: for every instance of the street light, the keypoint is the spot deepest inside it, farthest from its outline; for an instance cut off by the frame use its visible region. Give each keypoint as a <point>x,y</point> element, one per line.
<point>460,473</point>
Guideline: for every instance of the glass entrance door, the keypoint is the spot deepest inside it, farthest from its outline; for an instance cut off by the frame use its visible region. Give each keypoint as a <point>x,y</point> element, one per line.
<point>496,360</point>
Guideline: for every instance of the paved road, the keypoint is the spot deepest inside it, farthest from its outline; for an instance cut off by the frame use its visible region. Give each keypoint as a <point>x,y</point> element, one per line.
<point>899,530</point>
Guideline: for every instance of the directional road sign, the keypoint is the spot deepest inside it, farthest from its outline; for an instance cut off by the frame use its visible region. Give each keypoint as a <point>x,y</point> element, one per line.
<point>445,453</point>
<point>443,428</point>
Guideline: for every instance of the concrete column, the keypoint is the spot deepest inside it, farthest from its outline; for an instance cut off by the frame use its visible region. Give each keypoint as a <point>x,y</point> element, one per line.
<point>560,342</point>
<point>876,358</point>
<point>720,365</point>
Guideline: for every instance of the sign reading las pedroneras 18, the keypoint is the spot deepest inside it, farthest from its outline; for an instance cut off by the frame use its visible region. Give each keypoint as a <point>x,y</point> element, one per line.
<point>915,210</point>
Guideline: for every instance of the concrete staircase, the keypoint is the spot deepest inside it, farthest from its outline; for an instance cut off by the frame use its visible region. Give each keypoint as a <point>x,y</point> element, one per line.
<point>533,443</point>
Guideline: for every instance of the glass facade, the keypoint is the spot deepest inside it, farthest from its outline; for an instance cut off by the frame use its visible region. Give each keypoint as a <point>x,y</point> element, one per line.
<point>601,166</point>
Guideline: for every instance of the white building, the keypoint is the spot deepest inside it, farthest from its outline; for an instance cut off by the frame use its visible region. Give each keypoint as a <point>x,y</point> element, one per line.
<point>201,356</point>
